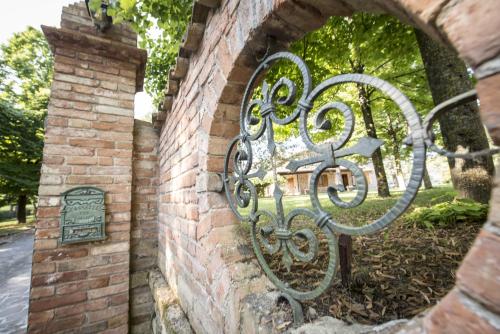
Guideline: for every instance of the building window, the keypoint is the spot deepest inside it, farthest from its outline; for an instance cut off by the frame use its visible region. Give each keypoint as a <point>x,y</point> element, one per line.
<point>368,176</point>
<point>323,180</point>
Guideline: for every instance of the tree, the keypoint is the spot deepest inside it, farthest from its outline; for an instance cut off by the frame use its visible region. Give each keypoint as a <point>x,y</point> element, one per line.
<point>21,146</point>
<point>26,73</point>
<point>427,179</point>
<point>160,25</point>
<point>26,67</point>
<point>461,128</point>
<point>377,45</point>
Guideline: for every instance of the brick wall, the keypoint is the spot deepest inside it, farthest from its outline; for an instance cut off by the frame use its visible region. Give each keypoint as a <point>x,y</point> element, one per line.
<point>144,233</point>
<point>88,142</point>
<point>201,253</point>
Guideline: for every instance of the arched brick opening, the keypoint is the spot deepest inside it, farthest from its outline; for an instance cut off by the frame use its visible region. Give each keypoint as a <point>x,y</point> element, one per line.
<point>200,250</point>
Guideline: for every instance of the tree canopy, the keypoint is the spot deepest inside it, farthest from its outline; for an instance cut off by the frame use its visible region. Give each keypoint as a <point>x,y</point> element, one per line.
<point>160,25</point>
<point>378,45</point>
<point>26,67</point>
<point>21,146</point>
<point>26,76</point>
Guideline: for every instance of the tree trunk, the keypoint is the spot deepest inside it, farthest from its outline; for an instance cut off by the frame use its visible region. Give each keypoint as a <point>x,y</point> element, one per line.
<point>21,209</point>
<point>427,179</point>
<point>399,168</point>
<point>345,258</point>
<point>461,128</point>
<point>378,162</point>
<point>35,209</point>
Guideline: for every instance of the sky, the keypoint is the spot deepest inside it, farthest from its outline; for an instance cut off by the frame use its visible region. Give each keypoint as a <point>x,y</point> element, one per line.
<point>16,15</point>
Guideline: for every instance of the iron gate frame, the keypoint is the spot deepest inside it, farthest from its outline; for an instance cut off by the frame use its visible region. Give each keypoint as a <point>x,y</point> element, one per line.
<point>244,194</point>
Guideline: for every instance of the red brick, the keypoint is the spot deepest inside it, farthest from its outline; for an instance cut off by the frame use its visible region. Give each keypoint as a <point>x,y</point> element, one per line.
<point>57,121</point>
<point>61,254</point>
<point>452,316</point>
<point>66,323</point>
<point>63,68</point>
<point>48,212</point>
<point>68,151</point>
<point>89,180</point>
<point>117,330</point>
<point>108,291</point>
<point>47,233</point>
<point>79,123</point>
<point>81,160</point>
<point>110,312</point>
<point>70,310</point>
<point>58,278</point>
<point>97,304</point>
<point>53,160</point>
<point>91,143</point>
<point>479,274</point>
<point>119,278</point>
<point>40,317</point>
<point>82,285</point>
<point>119,299</point>
<point>118,322</point>
<point>45,244</point>
<point>473,28</point>
<point>57,301</point>
<point>39,292</point>
<point>43,268</point>
<point>108,270</point>
<point>488,89</point>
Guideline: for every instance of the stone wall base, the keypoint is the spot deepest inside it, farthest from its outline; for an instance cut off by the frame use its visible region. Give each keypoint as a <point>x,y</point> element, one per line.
<point>168,318</point>
<point>260,313</point>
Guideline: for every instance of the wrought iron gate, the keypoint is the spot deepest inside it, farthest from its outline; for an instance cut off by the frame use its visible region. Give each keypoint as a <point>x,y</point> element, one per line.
<point>277,236</point>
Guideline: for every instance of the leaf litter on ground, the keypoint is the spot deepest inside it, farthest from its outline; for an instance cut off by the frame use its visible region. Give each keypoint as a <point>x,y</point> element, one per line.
<point>396,274</point>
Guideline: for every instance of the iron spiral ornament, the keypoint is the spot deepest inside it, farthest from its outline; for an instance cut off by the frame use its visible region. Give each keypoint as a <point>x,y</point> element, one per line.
<point>275,235</point>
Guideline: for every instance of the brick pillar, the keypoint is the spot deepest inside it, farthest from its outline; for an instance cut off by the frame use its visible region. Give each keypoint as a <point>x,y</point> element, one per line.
<point>88,142</point>
<point>144,234</point>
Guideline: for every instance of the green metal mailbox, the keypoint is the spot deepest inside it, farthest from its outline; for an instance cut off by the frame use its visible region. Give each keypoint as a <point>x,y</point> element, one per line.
<point>82,215</point>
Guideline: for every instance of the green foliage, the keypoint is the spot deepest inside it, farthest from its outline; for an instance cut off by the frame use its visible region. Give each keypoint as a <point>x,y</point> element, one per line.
<point>26,71</point>
<point>261,185</point>
<point>448,214</point>
<point>21,146</point>
<point>377,45</point>
<point>26,76</point>
<point>372,208</point>
<point>9,227</point>
<point>160,25</point>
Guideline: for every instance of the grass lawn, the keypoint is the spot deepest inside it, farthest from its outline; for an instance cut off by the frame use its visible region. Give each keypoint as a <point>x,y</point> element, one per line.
<point>8,222</point>
<point>8,227</point>
<point>372,208</point>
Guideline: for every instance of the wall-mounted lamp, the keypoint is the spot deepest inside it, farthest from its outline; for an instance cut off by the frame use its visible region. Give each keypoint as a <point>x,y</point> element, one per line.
<point>100,17</point>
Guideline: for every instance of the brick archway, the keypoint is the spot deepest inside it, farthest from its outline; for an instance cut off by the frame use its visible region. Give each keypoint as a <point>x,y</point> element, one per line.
<point>201,255</point>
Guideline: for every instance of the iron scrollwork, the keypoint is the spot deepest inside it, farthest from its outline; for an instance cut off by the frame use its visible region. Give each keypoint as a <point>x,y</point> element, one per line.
<point>238,174</point>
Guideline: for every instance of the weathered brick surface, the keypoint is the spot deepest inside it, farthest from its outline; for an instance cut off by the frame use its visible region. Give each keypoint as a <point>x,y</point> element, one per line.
<point>479,275</point>
<point>473,28</point>
<point>457,313</point>
<point>144,229</point>
<point>88,141</point>
<point>91,139</point>
<point>198,247</point>
<point>488,89</point>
